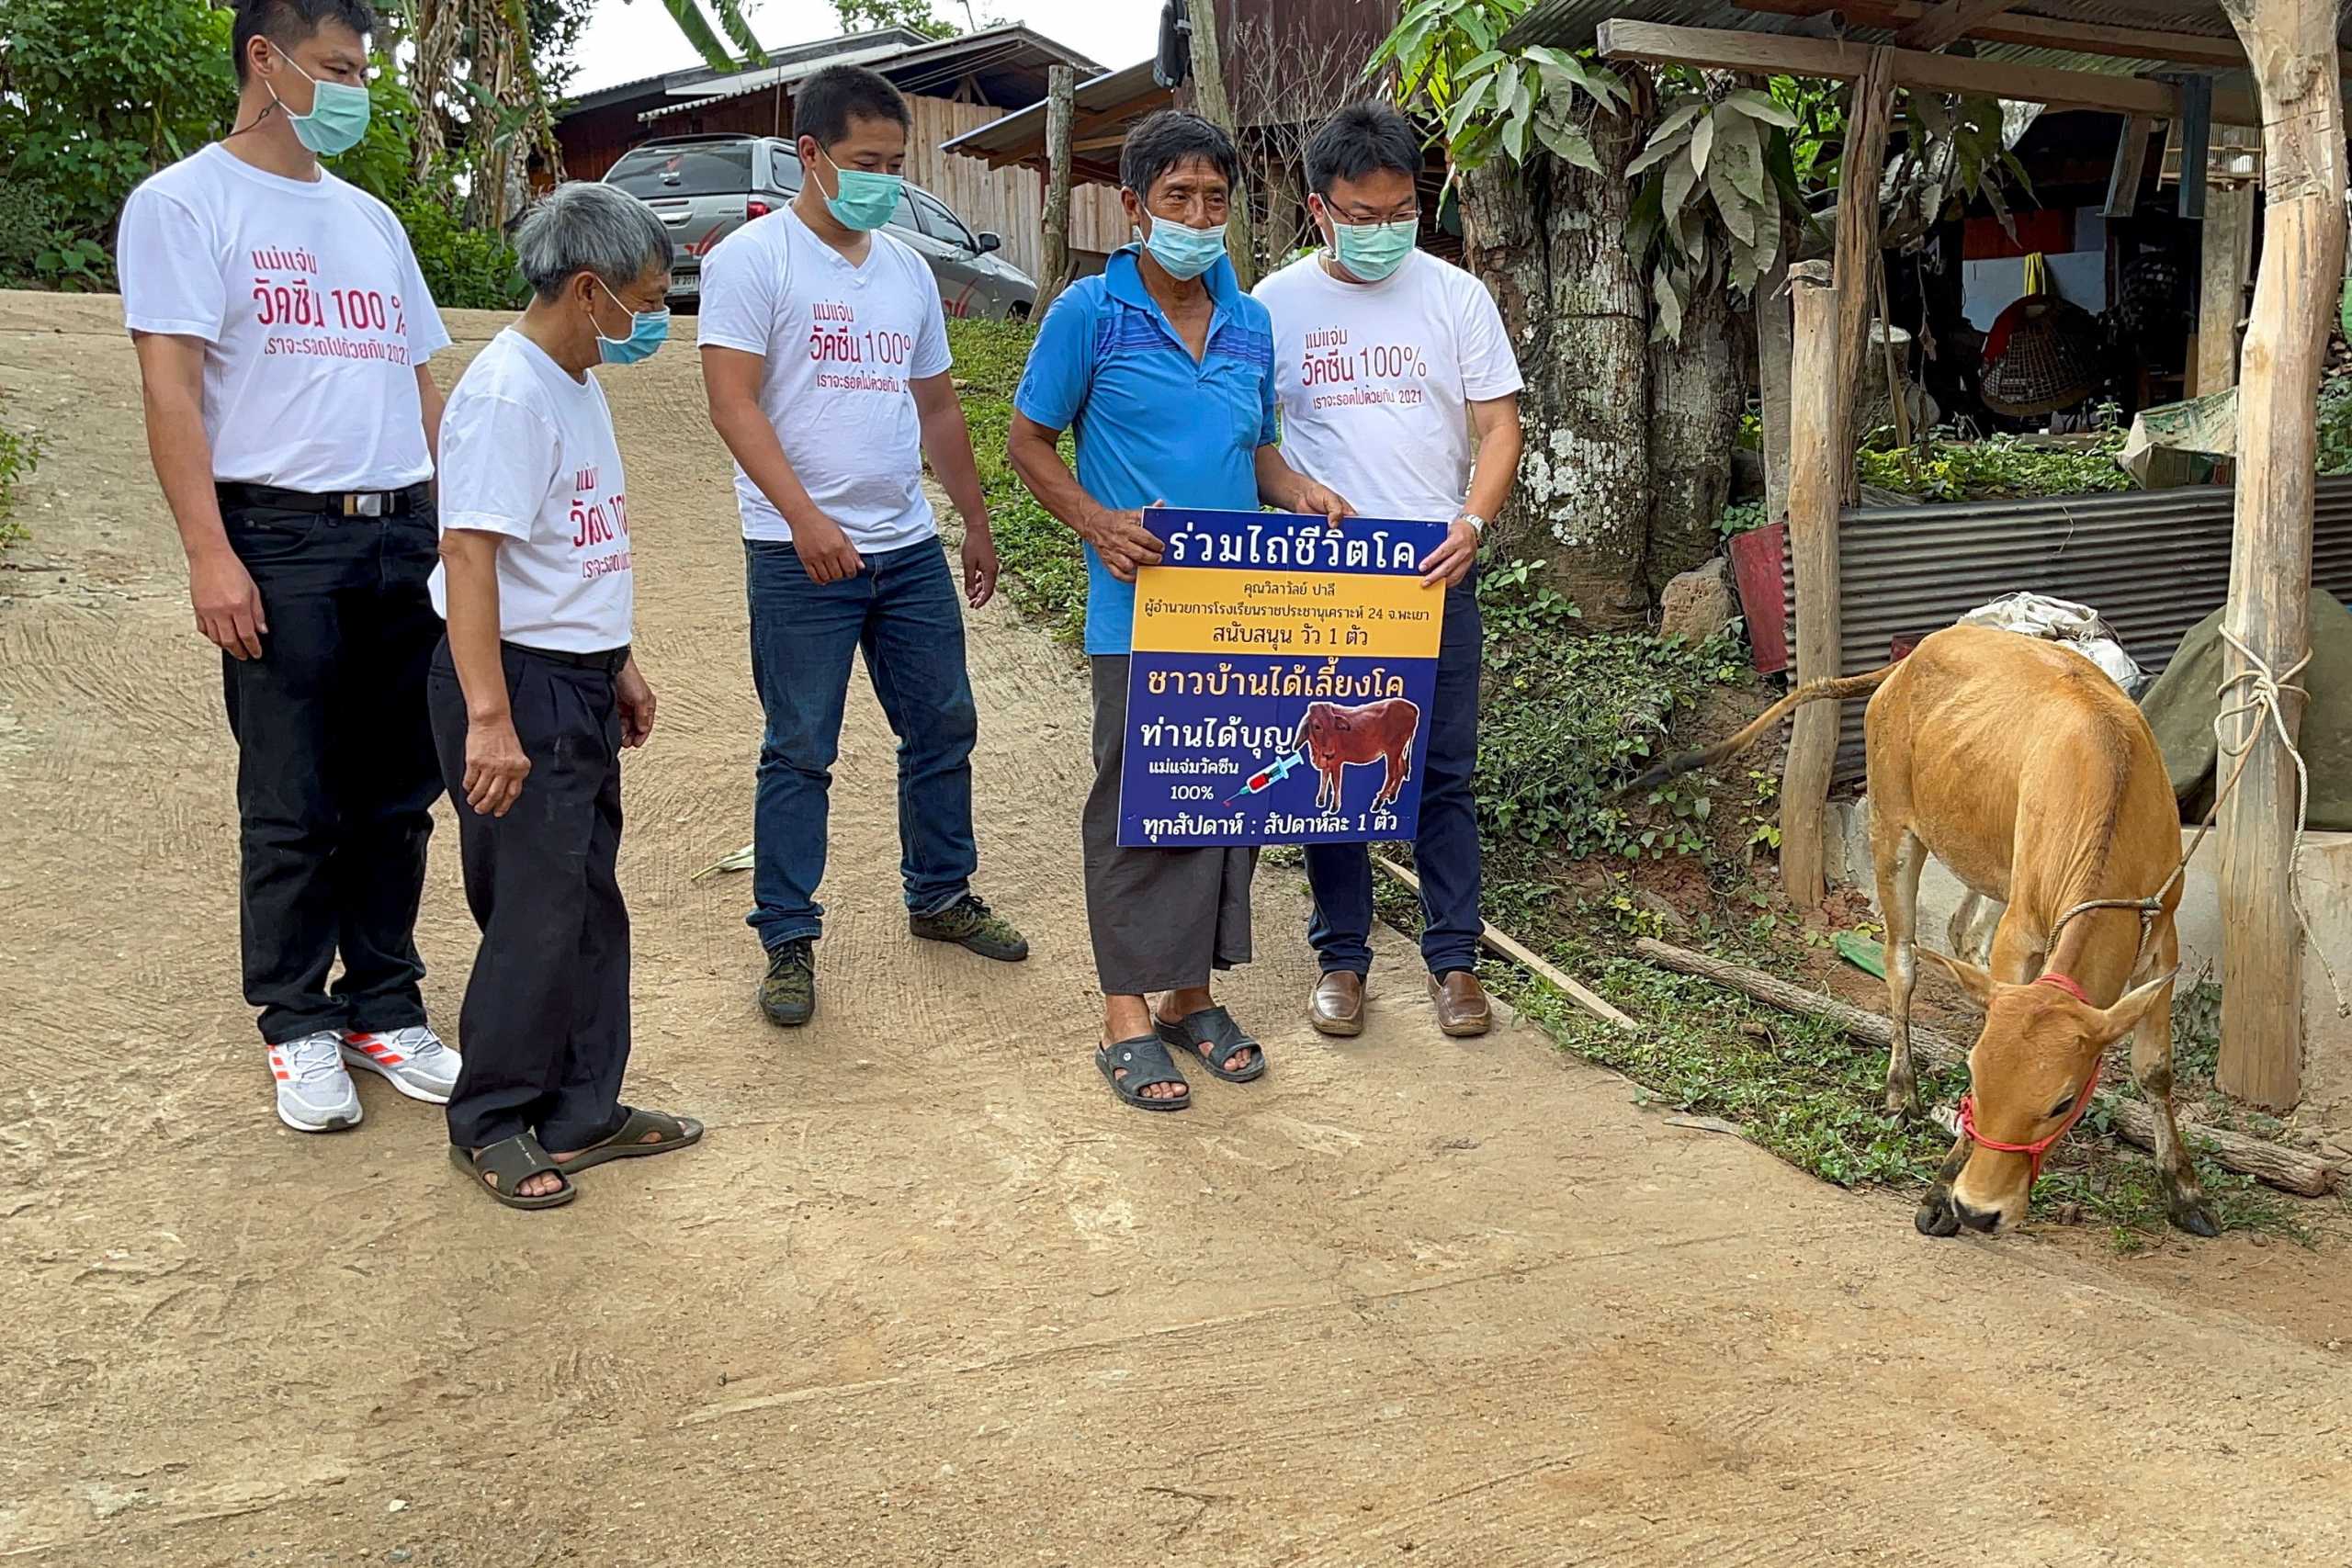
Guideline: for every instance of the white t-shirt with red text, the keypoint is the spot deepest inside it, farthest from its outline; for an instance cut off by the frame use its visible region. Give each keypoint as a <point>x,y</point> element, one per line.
<point>1374,380</point>
<point>314,317</point>
<point>842,342</point>
<point>528,454</point>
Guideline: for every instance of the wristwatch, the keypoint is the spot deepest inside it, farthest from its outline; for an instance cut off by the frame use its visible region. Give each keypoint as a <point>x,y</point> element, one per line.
<point>1478,524</point>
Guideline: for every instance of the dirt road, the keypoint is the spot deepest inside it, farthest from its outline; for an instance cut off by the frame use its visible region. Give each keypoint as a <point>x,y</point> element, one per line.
<point>927,1295</point>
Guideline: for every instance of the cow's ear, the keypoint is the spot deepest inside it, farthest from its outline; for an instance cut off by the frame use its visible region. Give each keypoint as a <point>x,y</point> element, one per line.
<point>1341,721</point>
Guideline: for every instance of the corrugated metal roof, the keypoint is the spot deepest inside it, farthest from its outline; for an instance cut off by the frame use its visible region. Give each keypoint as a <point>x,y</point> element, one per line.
<point>1572,24</point>
<point>1024,129</point>
<point>2153,562</point>
<point>915,69</point>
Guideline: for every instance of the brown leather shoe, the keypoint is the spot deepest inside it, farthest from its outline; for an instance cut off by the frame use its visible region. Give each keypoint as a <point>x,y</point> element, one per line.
<point>1460,1004</point>
<point>1337,1005</point>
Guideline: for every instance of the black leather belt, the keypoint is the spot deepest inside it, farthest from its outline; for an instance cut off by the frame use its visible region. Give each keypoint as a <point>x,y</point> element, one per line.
<point>610,661</point>
<point>332,504</point>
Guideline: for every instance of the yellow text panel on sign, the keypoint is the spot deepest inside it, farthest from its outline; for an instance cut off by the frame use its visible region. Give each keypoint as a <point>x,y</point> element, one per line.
<point>1315,616</point>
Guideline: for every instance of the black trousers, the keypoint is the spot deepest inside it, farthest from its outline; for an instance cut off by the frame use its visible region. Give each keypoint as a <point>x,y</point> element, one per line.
<point>336,771</point>
<point>545,1028</point>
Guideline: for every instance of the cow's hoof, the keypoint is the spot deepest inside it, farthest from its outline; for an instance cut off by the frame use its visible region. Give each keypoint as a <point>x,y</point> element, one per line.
<point>2193,1215</point>
<point>1936,1217</point>
<point>1903,1101</point>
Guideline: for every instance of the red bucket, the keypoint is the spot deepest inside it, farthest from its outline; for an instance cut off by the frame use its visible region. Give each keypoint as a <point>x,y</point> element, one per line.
<point>1756,560</point>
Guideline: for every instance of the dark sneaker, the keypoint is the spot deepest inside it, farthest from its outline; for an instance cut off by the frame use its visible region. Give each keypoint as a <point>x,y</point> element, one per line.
<point>789,995</point>
<point>970,923</point>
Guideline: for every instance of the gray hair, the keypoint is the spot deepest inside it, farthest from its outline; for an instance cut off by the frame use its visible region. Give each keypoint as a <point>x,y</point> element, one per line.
<point>586,227</point>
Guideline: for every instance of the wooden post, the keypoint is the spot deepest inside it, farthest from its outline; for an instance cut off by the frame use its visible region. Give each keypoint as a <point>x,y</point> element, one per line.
<point>2130,166</point>
<point>2228,246</point>
<point>1061,103</point>
<point>1820,402</point>
<point>2292,44</point>
<point>1856,257</point>
<point>1217,104</point>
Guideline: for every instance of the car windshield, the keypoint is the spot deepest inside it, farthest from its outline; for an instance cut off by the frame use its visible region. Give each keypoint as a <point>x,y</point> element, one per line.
<point>718,169</point>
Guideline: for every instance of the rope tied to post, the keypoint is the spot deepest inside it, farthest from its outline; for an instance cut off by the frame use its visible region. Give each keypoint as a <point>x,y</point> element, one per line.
<point>2263,700</point>
<point>2265,690</point>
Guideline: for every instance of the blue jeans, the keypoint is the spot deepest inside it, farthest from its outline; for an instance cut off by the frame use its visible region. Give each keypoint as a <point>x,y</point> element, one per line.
<point>902,609</point>
<point>1445,847</point>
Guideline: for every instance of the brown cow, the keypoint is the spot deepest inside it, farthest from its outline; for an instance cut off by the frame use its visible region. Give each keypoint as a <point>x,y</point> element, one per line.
<point>1332,737</point>
<point>2024,769</point>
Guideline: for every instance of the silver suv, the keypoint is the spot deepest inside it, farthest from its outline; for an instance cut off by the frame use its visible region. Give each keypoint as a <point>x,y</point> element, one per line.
<point>705,188</point>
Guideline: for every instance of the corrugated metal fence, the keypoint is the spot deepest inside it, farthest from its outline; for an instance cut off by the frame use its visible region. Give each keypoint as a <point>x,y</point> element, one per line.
<point>2153,562</point>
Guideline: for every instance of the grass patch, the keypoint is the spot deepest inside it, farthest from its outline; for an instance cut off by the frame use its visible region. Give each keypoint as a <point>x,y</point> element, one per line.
<point>1043,571</point>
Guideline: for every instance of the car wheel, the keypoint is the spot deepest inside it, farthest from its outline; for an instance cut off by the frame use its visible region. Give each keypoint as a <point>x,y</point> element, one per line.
<point>1017,311</point>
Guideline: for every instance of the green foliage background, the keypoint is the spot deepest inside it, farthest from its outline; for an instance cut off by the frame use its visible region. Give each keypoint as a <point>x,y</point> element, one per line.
<point>96,94</point>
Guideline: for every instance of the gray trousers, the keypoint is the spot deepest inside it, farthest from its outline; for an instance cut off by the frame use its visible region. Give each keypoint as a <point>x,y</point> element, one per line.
<point>1161,919</point>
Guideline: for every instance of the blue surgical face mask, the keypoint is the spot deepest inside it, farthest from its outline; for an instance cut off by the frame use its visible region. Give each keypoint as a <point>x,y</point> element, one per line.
<point>648,330</point>
<point>338,116</point>
<point>866,199</point>
<point>1184,253</point>
<point>1372,252</point>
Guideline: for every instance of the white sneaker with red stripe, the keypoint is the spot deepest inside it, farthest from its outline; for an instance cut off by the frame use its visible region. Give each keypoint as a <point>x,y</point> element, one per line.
<point>314,1094</point>
<point>413,1060</point>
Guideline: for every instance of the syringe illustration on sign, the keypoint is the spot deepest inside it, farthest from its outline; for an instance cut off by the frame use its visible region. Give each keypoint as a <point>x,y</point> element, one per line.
<point>1268,778</point>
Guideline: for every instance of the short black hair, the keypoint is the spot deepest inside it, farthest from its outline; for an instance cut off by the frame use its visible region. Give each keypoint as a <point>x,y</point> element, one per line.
<point>1166,137</point>
<point>823,106</point>
<point>1357,141</point>
<point>289,22</point>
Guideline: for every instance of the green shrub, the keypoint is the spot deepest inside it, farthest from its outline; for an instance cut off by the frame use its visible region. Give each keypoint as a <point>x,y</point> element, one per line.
<point>1995,468</point>
<point>94,95</point>
<point>466,269</point>
<point>19,455</point>
<point>1566,721</point>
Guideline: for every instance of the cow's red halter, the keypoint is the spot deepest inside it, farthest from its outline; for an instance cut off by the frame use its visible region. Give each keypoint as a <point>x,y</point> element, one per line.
<point>2040,1149</point>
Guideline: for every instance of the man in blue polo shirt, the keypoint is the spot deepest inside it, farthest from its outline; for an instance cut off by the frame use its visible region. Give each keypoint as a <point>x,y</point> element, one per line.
<point>1163,370</point>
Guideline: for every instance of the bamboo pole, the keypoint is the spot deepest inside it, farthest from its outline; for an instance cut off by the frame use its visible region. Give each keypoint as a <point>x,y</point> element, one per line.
<point>2293,1170</point>
<point>1061,102</point>
<point>2292,45</point>
<point>1819,404</point>
<point>1503,943</point>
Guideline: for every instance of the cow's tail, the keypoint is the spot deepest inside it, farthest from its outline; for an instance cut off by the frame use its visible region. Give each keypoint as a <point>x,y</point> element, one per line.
<point>1811,692</point>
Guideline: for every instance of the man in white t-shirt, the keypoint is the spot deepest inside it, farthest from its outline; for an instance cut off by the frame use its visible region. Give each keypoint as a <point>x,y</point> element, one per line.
<point>825,355</point>
<point>1398,389</point>
<point>534,695</point>
<point>282,329</point>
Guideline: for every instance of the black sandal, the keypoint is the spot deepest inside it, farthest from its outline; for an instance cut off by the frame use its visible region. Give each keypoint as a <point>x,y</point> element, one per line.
<point>511,1160</point>
<point>677,1133</point>
<point>1215,1028</point>
<point>1146,1062</point>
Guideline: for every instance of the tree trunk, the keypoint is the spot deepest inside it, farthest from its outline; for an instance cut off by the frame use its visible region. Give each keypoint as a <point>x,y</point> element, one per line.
<point>1210,96</point>
<point>1549,239</point>
<point>1772,350</point>
<point>1694,423</point>
<point>1061,85</point>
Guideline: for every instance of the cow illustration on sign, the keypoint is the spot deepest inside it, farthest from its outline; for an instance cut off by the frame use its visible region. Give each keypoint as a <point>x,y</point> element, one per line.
<point>1333,737</point>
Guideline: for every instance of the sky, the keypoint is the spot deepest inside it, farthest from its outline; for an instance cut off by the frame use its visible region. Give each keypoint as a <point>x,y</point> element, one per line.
<point>631,39</point>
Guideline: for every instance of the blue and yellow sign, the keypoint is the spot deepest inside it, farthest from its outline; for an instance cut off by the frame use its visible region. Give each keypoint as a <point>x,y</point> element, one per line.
<point>1281,679</point>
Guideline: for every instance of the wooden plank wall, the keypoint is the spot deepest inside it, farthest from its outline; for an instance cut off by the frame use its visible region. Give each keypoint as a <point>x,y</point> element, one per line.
<point>1011,201</point>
